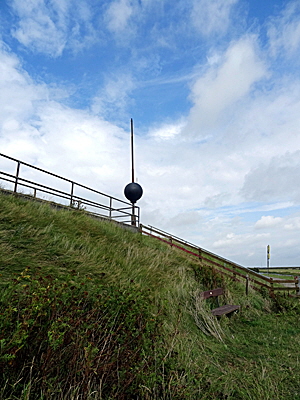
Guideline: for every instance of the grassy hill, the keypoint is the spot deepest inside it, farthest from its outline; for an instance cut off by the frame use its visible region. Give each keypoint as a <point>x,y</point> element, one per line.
<point>89,310</point>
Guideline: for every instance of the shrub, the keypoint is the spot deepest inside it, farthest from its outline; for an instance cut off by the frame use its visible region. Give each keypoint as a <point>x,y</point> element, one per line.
<point>63,334</point>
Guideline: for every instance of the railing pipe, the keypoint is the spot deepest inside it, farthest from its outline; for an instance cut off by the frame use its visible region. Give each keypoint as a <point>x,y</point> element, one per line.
<point>60,177</point>
<point>17,181</point>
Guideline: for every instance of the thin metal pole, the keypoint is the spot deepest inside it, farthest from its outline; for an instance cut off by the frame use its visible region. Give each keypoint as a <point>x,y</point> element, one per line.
<point>133,218</point>
<point>110,207</point>
<point>132,157</point>
<point>17,177</point>
<point>72,192</point>
<point>132,171</point>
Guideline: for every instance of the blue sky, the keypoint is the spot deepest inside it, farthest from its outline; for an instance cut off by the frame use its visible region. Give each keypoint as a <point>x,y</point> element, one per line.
<point>213,87</point>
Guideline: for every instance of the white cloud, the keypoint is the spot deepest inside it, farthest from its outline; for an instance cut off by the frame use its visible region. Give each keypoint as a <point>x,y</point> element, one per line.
<point>239,142</point>
<point>284,30</point>
<point>118,15</point>
<point>211,17</point>
<point>224,84</point>
<point>267,222</point>
<point>114,98</point>
<point>167,131</point>
<point>41,131</point>
<point>276,180</point>
<point>17,91</point>
<point>292,224</point>
<point>50,27</point>
<point>234,240</point>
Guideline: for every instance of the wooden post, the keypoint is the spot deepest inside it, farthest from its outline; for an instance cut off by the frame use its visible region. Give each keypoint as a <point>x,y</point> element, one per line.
<point>297,285</point>
<point>272,287</point>
<point>247,284</point>
<point>268,258</point>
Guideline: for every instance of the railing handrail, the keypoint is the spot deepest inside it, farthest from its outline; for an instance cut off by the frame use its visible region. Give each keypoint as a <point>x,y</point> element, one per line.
<point>61,177</point>
<point>72,197</point>
<point>200,252</point>
<point>195,247</point>
<point>169,238</point>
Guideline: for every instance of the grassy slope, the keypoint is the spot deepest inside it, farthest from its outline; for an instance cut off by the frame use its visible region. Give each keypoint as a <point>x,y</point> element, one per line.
<point>253,355</point>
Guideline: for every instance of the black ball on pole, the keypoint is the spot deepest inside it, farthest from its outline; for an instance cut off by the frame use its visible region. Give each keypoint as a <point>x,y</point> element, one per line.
<point>133,192</point>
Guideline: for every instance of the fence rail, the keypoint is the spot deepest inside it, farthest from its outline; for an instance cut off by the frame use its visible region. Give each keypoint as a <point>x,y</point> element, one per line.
<point>102,205</point>
<point>63,191</point>
<point>224,266</point>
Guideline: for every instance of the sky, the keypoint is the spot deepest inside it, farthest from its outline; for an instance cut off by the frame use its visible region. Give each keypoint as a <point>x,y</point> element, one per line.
<point>213,87</point>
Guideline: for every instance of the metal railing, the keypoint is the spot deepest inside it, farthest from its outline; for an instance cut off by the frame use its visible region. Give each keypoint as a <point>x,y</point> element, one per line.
<point>59,190</point>
<point>102,205</point>
<point>226,267</point>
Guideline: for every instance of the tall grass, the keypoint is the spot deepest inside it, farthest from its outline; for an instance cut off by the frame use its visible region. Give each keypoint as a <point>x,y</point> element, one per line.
<point>92,311</point>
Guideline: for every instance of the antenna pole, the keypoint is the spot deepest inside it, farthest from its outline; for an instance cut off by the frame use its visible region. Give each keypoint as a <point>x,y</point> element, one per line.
<point>132,172</point>
<point>133,191</point>
<point>132,159</point>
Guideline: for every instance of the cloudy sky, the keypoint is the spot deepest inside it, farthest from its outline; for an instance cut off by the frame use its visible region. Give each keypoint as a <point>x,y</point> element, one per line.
<point>213,87</point>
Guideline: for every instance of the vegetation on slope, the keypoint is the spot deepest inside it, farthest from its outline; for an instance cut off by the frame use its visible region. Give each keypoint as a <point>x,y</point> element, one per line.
<point>89,310</point>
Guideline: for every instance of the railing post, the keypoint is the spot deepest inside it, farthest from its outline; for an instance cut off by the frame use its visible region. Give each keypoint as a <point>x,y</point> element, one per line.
<point>17,177</point>
<point>72,192</point>
<point>110,207</point>
<point>133,219</point>
<point>272,287</point>
<point>297,285</point>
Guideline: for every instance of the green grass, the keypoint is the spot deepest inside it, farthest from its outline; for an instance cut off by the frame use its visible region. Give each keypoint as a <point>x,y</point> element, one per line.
<point>89,310</point>
<point>283,271</point>
<point>280,276</point>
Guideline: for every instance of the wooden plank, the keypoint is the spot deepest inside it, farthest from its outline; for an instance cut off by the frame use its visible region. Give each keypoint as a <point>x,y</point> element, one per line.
<point>225,310</point>
<point>212,293</point>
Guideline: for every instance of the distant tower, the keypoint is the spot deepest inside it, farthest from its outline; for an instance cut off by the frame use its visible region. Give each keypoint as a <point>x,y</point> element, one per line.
<point>133,191</point>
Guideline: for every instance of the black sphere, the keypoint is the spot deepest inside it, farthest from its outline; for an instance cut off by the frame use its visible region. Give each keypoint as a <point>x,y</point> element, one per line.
<point>133,192</point>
